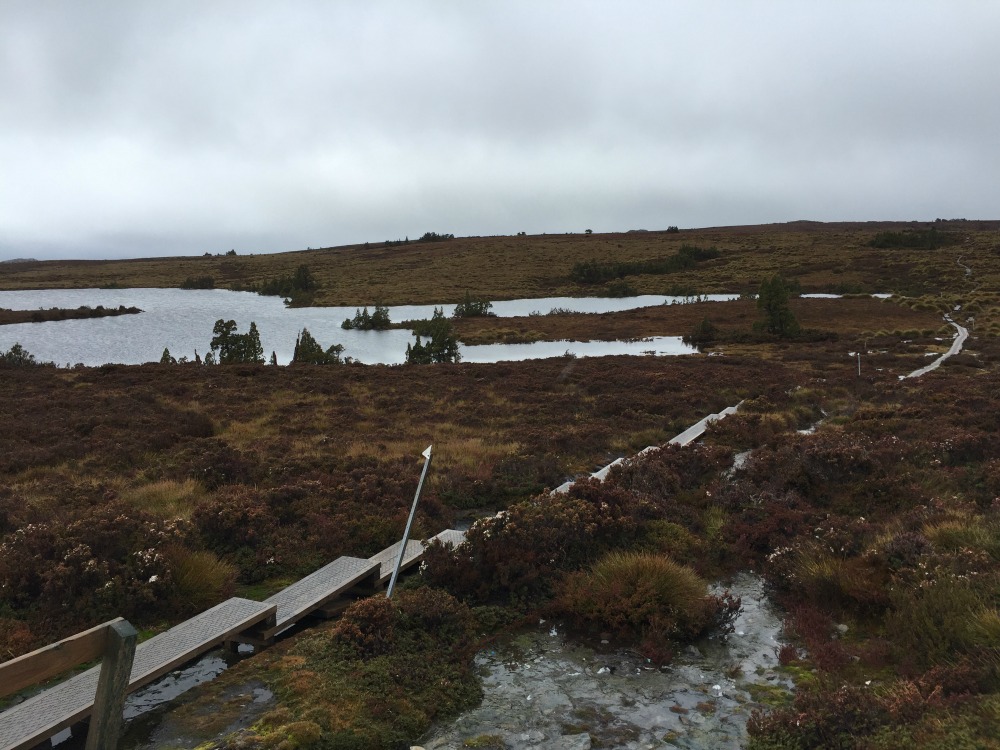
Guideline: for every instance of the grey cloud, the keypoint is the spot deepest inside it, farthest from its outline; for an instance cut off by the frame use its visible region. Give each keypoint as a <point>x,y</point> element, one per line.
<point>139,128</point>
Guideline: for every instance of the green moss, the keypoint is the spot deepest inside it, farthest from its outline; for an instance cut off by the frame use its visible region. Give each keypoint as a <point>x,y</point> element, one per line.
<point>769,695</point>
<point>485,741</point>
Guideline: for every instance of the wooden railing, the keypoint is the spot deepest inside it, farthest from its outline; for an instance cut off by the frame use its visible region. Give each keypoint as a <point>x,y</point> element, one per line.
<point>114,643</point>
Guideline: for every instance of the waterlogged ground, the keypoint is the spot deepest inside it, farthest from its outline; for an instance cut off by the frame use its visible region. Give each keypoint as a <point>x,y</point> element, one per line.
<point>542,690</point>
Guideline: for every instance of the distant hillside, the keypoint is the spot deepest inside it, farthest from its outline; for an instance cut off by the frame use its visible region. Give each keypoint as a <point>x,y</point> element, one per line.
<point>20,260</point>
<point>840,257</point>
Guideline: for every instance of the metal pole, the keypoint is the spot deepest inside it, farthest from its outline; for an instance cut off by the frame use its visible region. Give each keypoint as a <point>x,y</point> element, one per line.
<point>859,364</point>
<point>409,522</point>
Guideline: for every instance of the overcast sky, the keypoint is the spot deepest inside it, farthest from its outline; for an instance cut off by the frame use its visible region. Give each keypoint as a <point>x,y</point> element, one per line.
<point>136,128</point>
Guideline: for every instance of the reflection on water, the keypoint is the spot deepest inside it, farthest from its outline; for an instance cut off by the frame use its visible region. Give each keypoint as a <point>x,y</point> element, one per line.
<point>182,320</point>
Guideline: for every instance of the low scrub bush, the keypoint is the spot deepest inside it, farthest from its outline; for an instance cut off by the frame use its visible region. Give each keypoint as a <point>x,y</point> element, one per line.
<point>377,679</point>
<point>16,638</point>
<point>107,561</point>
<point>515,554</point>
<point>641,595</point>
<point>941,709</point>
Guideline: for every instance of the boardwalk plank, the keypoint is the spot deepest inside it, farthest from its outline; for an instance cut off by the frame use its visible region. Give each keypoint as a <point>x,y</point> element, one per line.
<point>316,589</point>
<point>47,713</point>
<point>449,536</point>
<point>386,559</point>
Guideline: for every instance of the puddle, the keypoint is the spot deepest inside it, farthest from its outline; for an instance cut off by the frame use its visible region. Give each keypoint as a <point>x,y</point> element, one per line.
<point>174,684</point>
<point>543,690</point>
<point>148,711</point>
<point>189,726</point>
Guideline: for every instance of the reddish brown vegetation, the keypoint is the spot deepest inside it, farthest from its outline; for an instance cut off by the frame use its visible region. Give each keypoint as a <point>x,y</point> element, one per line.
<point>846,317</point>
<point>293,466</point>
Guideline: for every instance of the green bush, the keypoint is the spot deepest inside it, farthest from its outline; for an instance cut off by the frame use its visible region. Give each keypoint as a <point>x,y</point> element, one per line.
<point>18,356</point>
<point>199,579</point>
<point>934,624</point>
<point>639,594</point>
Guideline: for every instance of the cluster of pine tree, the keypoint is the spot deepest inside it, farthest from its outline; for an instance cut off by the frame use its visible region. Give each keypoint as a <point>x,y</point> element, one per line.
<point>309,352</point>
<point>440,345</point>
<point>297,288</point>
<point>366,321</point>
<point>229,347</point>
<point>474,308</point>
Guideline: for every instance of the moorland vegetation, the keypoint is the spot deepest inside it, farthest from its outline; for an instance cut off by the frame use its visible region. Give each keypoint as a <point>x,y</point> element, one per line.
<point>869,503</point>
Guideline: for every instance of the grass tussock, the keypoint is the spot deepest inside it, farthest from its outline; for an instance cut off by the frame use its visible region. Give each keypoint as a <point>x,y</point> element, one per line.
<point>200,578</point>
<point>641,595</point>
<point>166,498</point>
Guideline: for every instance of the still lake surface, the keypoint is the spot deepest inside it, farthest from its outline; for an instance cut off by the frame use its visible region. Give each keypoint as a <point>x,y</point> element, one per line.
<point>182,320</point>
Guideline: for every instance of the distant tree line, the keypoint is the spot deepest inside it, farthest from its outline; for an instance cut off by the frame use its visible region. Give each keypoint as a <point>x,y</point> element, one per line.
<point>198,282</point>
<point>928,239</point>
<point>298,288</point>
<point>595,272</point>
<point>435,237</point>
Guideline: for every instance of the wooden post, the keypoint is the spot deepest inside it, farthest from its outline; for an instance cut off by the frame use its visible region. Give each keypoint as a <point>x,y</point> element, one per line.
<point>106,718</point>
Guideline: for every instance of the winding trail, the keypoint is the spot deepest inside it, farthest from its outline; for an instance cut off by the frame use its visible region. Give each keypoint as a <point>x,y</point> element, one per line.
<point>956,347</point>
<point>687,437</point>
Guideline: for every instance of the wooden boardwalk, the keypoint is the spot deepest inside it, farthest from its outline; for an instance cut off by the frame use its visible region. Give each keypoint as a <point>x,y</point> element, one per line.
<point>317,589</point>
<point>233,621</point>
<point>449,536</point>
<point>413,555</point>
<point>386,559</point>
<point>47,713</point>
<point>687,437</point>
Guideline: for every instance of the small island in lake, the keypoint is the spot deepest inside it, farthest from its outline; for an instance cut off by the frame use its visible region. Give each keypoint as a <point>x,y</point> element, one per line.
<point>9,317</point>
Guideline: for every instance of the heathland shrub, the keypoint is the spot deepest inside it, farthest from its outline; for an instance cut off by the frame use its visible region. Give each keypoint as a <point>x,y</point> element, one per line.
<point>109,561</point>
<point>941,709</point>
<point>199,579</point>
<point>473,308</point>
<point>368,626</point>
<point>16,638</point>
<point>514,554</point>
<point>642,595</point>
